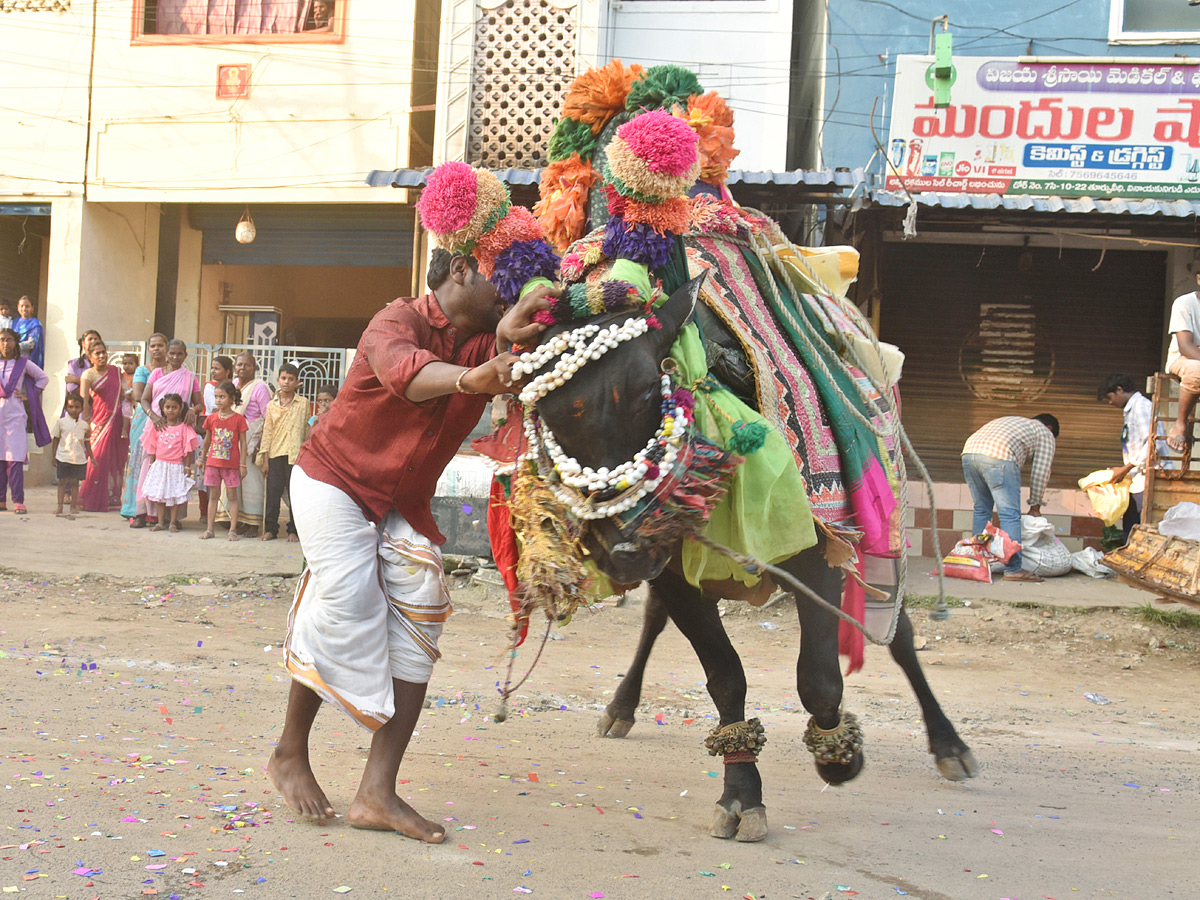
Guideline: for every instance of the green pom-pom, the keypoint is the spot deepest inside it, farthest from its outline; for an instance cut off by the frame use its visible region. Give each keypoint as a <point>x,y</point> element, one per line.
<point>572,136</point>
<point>663,87</point>
<point>747,437</point>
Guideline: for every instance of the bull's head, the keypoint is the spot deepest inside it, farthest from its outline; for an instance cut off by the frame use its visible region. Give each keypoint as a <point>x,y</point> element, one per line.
<point>607,413</point>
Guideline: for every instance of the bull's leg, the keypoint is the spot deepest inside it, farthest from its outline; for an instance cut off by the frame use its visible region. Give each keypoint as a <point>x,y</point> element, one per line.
<point>618,718</point>
<point>954,759</point>
<point>835,741</point>
<point>740,809</point>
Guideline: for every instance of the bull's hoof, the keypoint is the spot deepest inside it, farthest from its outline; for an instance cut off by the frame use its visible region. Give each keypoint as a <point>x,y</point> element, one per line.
<point>725,821</point>
<point>753,825</point>
<point>615,728</point>
<point>959,767</point>
<point>747,825</point>
<point>840,773</point>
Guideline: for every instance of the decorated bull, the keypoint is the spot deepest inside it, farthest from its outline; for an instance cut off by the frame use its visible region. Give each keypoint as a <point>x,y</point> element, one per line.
<point>690,418</point>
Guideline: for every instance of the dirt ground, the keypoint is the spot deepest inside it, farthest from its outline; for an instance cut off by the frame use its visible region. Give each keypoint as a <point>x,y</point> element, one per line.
<point>138,712</point>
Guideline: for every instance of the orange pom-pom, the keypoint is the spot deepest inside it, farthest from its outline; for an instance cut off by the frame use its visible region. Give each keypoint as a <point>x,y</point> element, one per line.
<point>563,206</point>
<point>670,215</point>
<point>712,120</point>
<point>599,94</point>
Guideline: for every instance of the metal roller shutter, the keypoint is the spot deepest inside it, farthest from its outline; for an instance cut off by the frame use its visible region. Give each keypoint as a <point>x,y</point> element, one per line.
<point>308,234</point>
<point>1002,331</point>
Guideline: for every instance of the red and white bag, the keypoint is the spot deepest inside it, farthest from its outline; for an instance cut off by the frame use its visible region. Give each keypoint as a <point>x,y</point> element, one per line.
<point>968,560</point>
<point>1001,545</point>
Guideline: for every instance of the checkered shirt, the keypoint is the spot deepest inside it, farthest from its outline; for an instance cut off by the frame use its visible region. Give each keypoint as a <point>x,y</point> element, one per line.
<point>1018,439</point>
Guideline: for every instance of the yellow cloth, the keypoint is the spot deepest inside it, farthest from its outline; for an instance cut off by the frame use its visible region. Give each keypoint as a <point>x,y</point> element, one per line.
<point>1109,501</point>
<point>284,430</point>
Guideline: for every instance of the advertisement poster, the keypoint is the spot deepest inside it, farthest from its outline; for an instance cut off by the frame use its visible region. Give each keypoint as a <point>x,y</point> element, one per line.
<point>1082,128</point>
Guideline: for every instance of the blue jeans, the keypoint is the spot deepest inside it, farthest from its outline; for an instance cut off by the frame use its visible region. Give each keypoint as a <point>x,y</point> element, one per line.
<point>995,483</point>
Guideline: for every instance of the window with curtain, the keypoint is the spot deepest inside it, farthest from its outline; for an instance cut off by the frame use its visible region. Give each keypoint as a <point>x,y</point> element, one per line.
<point>240,19</point>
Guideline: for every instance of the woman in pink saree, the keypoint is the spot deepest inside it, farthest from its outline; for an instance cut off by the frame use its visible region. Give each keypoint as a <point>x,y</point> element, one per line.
<point>173,378</point>
<point>101,389</point>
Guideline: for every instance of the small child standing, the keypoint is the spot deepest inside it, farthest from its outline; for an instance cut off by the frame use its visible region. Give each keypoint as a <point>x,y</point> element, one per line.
<point>284,431</point>
<point>71,449</point>
<point>326,394</point>
<point>223,453</point>
<point>170,450</point>
<point>129,364</point>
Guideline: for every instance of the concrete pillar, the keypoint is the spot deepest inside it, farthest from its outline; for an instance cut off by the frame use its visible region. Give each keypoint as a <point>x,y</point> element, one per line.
<point>187,290</point>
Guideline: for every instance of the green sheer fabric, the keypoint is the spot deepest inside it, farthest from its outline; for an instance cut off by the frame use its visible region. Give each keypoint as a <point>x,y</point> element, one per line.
<point>766,513</point>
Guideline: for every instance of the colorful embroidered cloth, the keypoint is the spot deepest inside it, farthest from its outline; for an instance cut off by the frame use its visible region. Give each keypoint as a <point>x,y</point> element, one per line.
<point>787,396</point>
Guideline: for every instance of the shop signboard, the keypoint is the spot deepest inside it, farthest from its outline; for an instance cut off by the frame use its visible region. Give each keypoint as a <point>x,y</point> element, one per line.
<point>1078,128</point>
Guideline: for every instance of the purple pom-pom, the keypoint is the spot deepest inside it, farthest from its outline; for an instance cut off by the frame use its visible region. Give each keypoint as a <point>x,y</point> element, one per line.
<point>520,262</point>
<point>683,398</point>
<point>638,242</point>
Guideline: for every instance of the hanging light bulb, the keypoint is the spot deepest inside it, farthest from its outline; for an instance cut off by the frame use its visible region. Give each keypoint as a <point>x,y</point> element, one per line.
<point>245,231</point>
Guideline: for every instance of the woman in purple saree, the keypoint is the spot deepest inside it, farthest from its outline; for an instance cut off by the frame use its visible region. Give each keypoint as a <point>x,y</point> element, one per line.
<point>101,389</point>
<point>21,385</point>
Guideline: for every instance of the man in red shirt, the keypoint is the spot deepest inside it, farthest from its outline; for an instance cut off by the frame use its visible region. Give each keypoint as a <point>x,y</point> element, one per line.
<point>363,629</point>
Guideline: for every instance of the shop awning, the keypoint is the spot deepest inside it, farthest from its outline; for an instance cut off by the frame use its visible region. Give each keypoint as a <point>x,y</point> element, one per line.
<point>818,179</point>
<point>1027,203</point>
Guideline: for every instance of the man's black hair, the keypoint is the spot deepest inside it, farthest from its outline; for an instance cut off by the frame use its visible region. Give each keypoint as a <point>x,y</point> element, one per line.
<point>439,267</point>
<point>1049,421</point>
<point>1113,383</point>
<point>289,368</point>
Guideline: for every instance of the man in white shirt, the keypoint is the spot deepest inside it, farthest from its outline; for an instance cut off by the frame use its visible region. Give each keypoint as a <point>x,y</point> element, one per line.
<point>1121,392</point>
<point>6,316</point>
<point>1183,360</point>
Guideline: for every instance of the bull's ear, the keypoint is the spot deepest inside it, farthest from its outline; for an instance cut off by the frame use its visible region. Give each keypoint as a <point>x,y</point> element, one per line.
<point>679,308</point>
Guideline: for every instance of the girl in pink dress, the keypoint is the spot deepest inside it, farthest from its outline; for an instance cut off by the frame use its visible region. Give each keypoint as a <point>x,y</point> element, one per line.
<point>171,450</point>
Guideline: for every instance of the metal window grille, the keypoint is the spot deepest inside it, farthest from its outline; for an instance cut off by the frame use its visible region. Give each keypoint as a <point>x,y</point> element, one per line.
<point>317,365</point>
<point>524,58</point>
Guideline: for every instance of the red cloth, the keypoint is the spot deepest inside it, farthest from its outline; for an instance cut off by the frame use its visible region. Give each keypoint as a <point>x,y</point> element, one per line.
<point>854,603</point>
<point>380,448</point>
<point>504,549</point>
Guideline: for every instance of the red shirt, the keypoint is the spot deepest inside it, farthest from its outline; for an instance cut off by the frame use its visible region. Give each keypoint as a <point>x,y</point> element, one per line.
<point>225,448</point>
<point>382,449</point>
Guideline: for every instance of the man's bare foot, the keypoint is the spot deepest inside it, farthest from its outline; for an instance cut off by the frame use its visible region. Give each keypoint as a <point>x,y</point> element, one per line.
<point>207,536</point>
<point>1177,438</point>
<point>233,535</point>
<point>294,779</point>
<point>58,512</point>
<point>293,538</point>
<point>267,536</point>
<point>157,527</point>
<point>393,814</point>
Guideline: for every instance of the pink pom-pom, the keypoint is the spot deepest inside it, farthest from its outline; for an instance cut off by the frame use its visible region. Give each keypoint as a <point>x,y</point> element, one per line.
<point>665,142</point>
<point>544,317</point>
<point>448,201</point>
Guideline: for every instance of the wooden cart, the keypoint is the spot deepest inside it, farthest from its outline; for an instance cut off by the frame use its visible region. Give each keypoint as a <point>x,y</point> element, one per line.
<point>1166,566</point>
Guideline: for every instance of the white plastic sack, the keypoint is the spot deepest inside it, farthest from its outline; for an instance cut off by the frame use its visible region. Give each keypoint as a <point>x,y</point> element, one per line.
<point>1042,553</point>
<point>1182,520</point>
<point>1088,562</point>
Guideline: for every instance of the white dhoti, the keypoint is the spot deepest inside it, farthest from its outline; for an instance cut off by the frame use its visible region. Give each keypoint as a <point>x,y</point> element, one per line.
<point>369,607</point>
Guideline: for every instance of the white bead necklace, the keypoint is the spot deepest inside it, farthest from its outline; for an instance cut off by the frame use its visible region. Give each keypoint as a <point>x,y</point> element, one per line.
<point>574,349</point>
<point>576,485</point>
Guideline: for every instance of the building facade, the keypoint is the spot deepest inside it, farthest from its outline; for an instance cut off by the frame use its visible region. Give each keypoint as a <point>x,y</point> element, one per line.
<point>1027,240</point>
<point>135,135</point>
